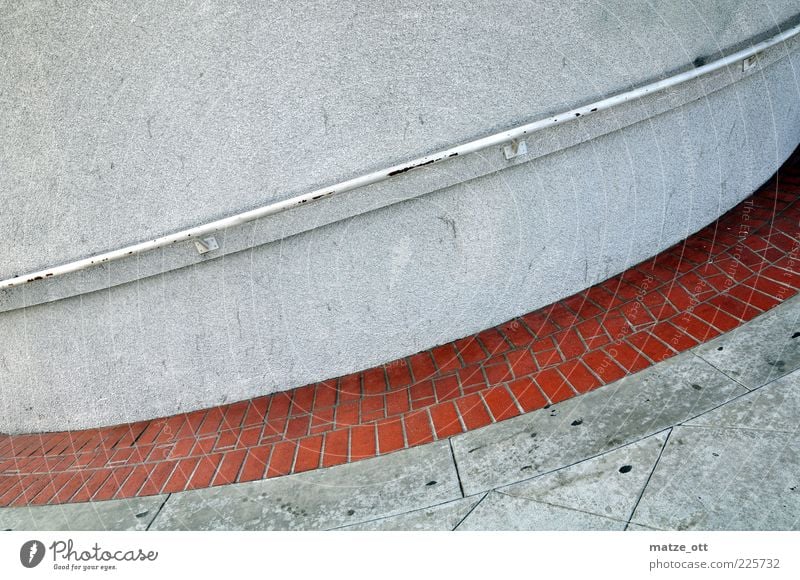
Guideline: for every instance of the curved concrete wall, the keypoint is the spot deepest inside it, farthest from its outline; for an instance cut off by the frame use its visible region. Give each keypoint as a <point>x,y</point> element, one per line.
<point>153,122</point>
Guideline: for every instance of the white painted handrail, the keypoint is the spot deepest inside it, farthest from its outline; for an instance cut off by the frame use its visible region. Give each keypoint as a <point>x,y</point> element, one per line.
<point>503,137</point>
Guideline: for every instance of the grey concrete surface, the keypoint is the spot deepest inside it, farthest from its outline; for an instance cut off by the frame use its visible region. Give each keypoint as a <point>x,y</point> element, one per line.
<point>608,485</point>
<point>724,479</point>
<point>127,121</point>
<point>714,457</point>
<point>764,350</point>
<point>317,500</point>
<point>367,289</point>
<point>443,517</point>
<point>134,514</point>
<point>501,512</point>
<point>623,412</point>
<point>775,407</point>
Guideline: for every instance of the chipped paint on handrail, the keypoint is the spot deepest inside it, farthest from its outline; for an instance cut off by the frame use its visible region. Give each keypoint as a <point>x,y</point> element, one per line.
<point>483,143</point>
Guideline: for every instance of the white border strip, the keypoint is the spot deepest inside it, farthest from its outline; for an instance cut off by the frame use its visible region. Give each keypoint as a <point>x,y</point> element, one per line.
<point>389,172</point>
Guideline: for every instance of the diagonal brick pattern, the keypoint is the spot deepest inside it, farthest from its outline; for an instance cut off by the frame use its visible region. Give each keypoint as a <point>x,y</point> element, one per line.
<point>726,274</point>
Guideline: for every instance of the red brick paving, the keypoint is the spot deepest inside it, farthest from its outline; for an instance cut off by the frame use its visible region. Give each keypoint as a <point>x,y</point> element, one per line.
<point>726,274</point>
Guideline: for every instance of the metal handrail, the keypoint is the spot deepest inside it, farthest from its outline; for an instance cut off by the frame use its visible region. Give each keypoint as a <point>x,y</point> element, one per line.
<point>507,136</point>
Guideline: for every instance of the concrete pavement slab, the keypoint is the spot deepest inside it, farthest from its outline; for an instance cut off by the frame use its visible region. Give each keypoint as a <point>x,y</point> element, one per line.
<point>323,499</point>
<point>724,479</point>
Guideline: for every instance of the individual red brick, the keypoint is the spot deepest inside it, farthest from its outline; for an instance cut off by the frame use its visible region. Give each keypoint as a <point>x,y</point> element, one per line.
<point>398,374</point>
<point>651,346</point>
<point>347,414</point>
<point>248,437</point>
<point>337,444</point>
<point>445,420</point>
<point>497,371</point>
<point>418,428</point>
<point>326,395</point>
<point>446,358</point>
<point>390,435</point>
<point>151,432</point>
<point>603,298</point>
<point>604,366</point>
<point>446,388</point>
<point>521,363</point>
<point>770,288</point>
<point>256,412</point>
<point>273,430</point>
<point>349,387</point>
<point>695,327</point>
<point>309,454</point>
<point>279,406</point>
<point>516,333</point>
<point>470,350</point>
<point>561,315</point>
<point>302,401</point>
<point>373,407</point>
<point>298,427</point>
<point>68,489</point>
<point>752,297</point>
<point>255,463</point>
<point>322,420</point>
<point>421,390</point>
<point>673,337</point>
<point>397,402</point>
<point>592,333</point>
<point>547,358</point>
<point>636,313</point>
<point>501,405</point>
<point>234,415</point>
<point>112,484</point>
<point>211,424</point>
<point>225,440</point>
<point>422,366</point>
<point>579,376</point>
<point>473,411</point>
<point>156,479</point>
<point>131,484</point>
<point>374,381</point>
<point>539,323</point>
<point>569,343</point>
<point>180,475</point>
<point>229,467</point>
<point>735,308</point>
<point>553,385</point>
<point>493,342</point>
<point>627,357</point>
<point>205,471</point>
<point>282,458</point>
<point>786,274</point>
<point>362,442</point>
<point>616,326</point>
<point>715,317</point>
<point>471,378</point>
<point>527,394</point>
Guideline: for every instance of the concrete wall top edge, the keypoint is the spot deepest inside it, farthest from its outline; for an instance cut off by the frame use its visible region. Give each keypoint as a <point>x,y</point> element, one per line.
<point>123,123</point>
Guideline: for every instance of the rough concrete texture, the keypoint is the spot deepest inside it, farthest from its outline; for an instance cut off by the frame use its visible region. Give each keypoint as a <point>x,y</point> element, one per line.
<point>724,479</point>
<point>499,511</point>
<point>115,515</point>
<point>317,500</point>
<point>775,407</point>
<point>443,517</point>
<point>205,134</point>
<point>123,122</point>
<point>608,485</point>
